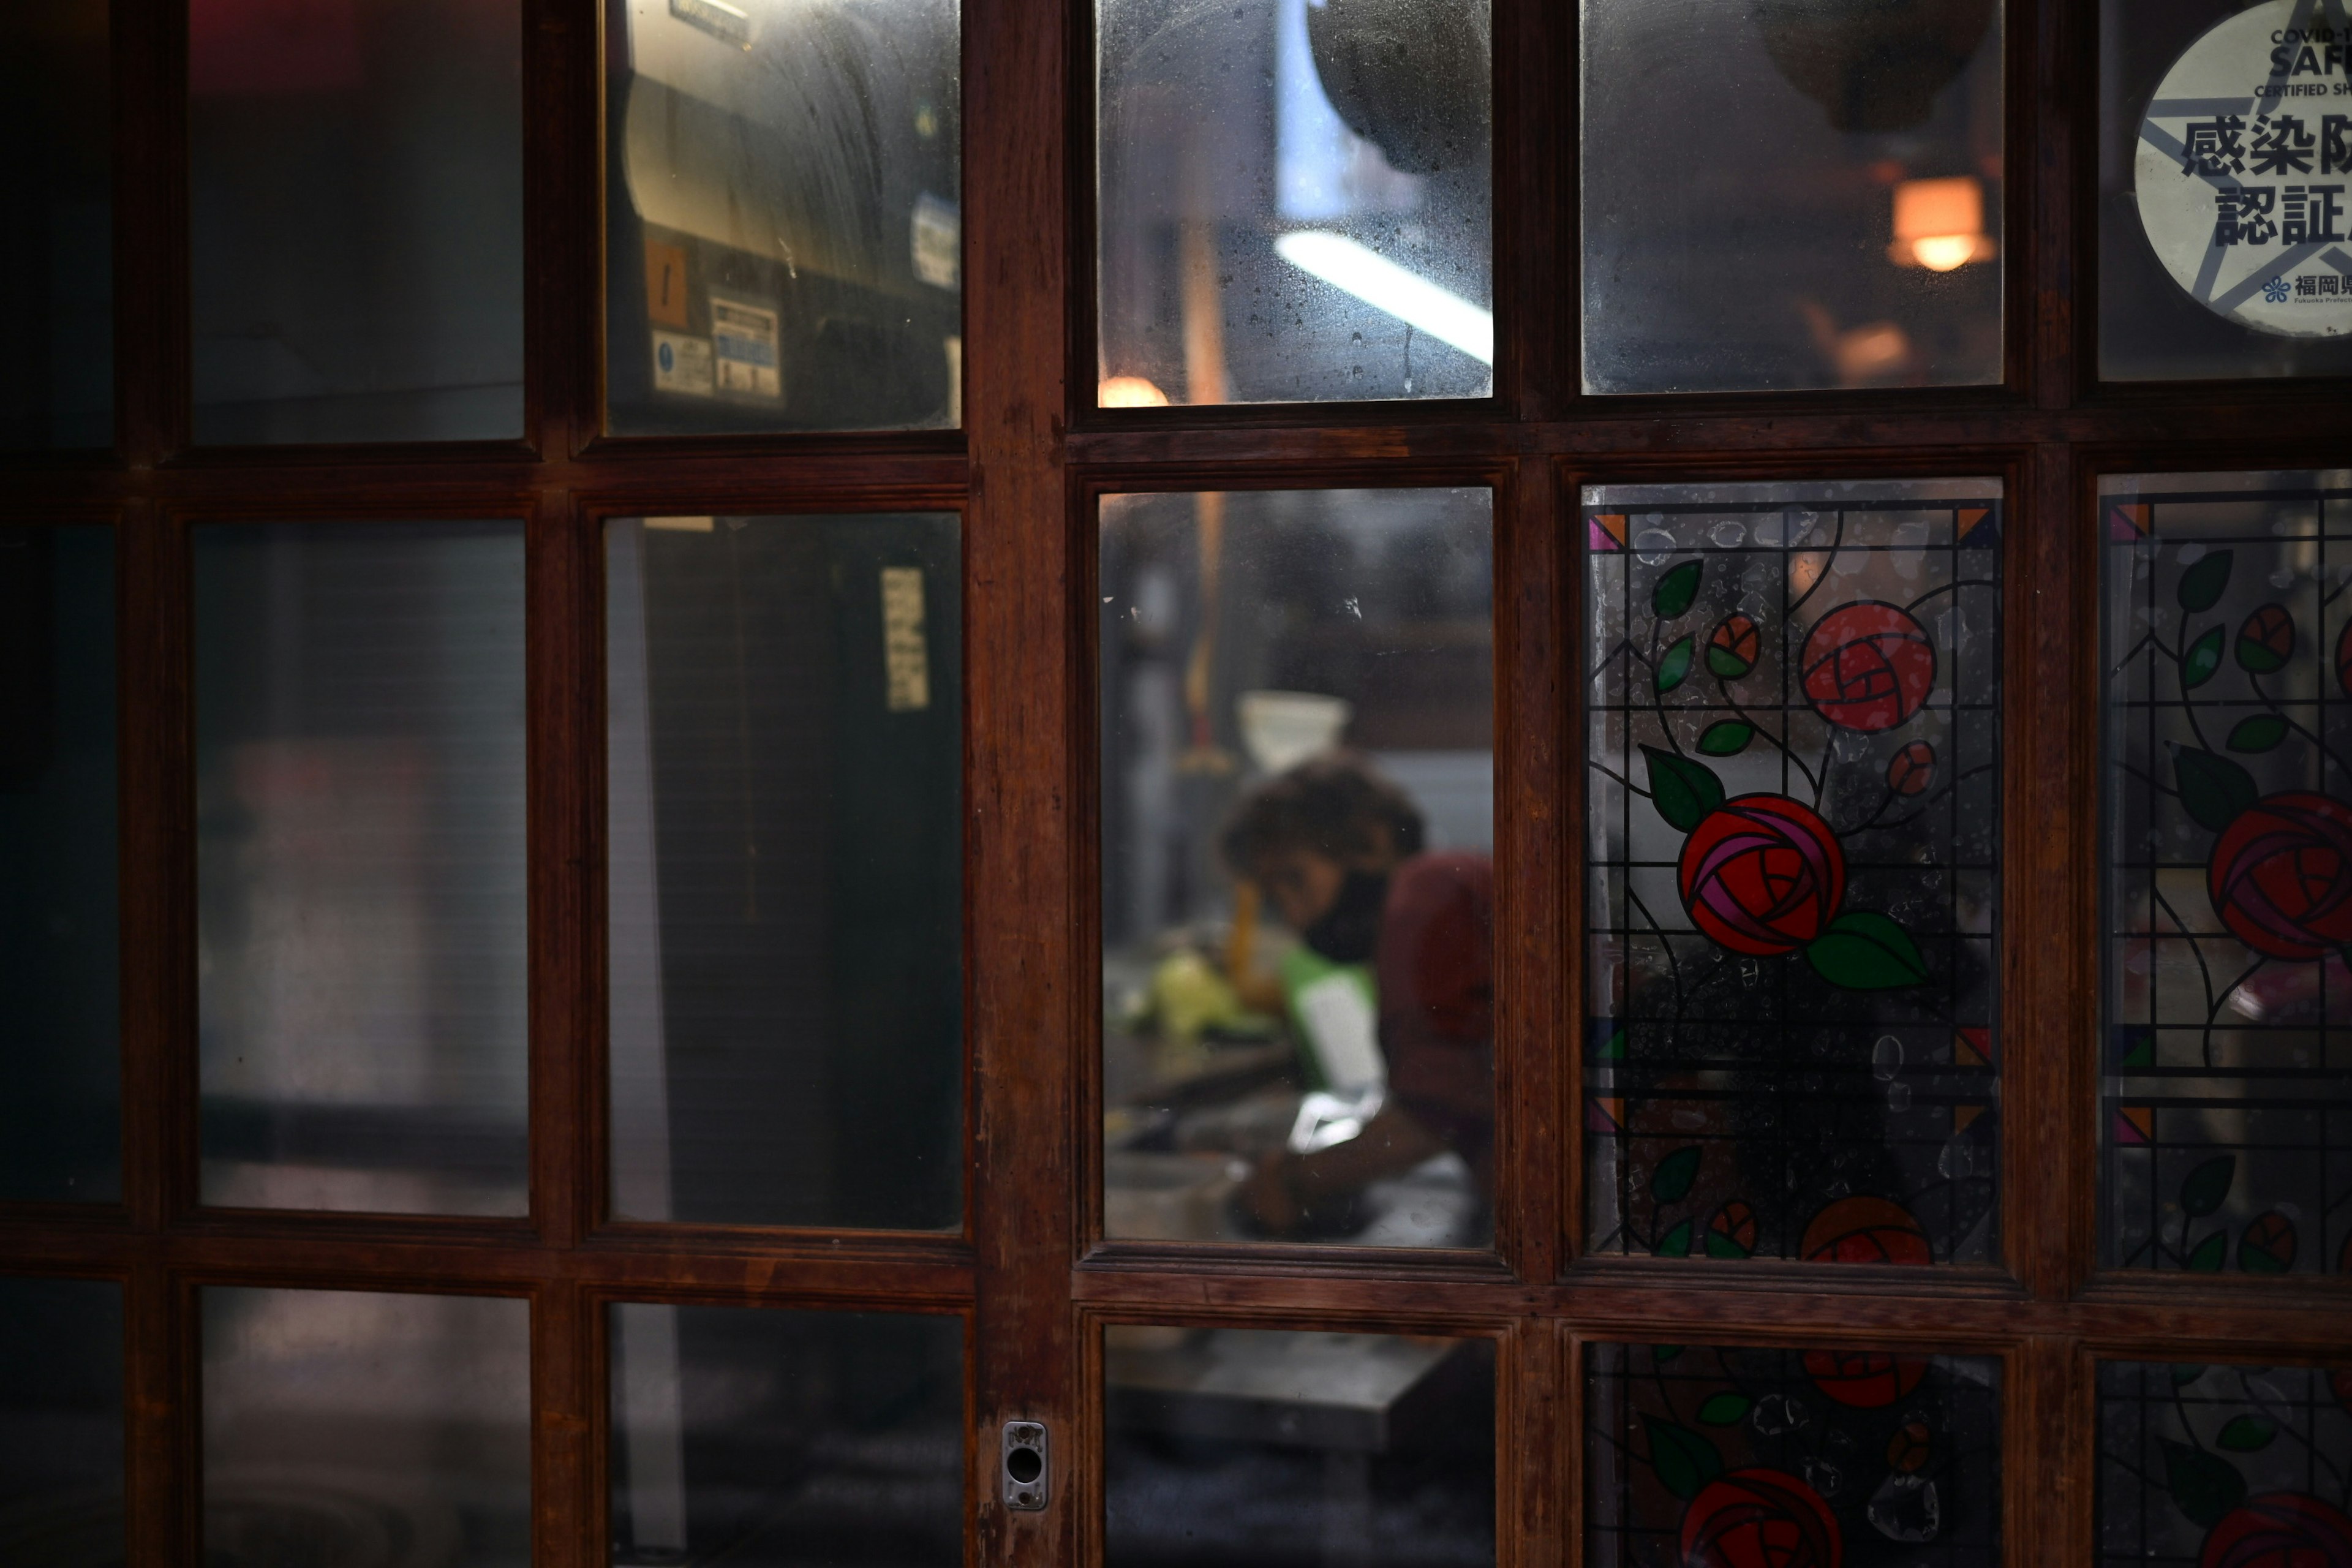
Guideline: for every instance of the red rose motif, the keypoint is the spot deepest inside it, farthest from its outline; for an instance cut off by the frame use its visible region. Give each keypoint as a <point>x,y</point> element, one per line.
<point>1762,874</point>
<point>1760,1518</point>
<point>1865,1230</point>
<point>1868,666</point>
<point>1912,769</point>
<point>2281,876</point>
<point>1864,1380</point>
<point>2279,1529</point>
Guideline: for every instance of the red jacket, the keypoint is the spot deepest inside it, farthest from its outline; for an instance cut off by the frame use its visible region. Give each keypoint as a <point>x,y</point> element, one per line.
<point>1436,972</point>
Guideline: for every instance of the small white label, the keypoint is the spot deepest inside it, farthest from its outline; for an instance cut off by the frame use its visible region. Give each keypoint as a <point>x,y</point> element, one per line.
<point>1342,1031</point>
<point>938,241</point>
<point>744,336</point>
<point>2244,170</point>
<point>682,364</point>
<point>906,662</point>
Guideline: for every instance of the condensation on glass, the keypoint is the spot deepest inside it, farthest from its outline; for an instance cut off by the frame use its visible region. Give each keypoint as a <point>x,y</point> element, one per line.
<point>775,1439</point>
<point>1792,805</point>
<point>59,976</point>
<point>364,1426</point>
<point>62,1452</point>
<point>1293,200</point>
<point>360,890</point>
<point>1297,885</point>
<point>784,703</point>
<point>785,249</point>
<point>1708,1454</point>
<point>2225,1111</point>
<point>1791,194</point>
<point>2218,1463</point>
<point>355,220</point>
<point>1296,1446</point>
<point>57,272</point>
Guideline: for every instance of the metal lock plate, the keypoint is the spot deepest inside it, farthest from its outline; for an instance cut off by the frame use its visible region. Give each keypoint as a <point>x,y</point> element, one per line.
<point>1026,1464</point>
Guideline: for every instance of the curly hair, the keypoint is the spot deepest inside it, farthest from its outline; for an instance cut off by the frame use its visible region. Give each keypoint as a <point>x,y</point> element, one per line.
<point>1334,804</point>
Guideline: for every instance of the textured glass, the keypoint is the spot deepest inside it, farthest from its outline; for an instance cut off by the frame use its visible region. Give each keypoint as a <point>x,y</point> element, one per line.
<point>359,866</point>
<point>2226,1097</point>
<point>1703,1457</point>
<point>1791,194</point>
<point>57,272</point>
<point>1793,807</point>
<point>2152,327</point>
<point>1293,200</point>
<point>785,703</point>
<point>61,1423</point>
<point>2225,1466</point>
<point>785,250</point>
<point>60,975</point>
<point>1297,802</point>
<point>355,219</point>
<point>1273,1446</point>
<point>765,1439</point>
<point>348,1426</point>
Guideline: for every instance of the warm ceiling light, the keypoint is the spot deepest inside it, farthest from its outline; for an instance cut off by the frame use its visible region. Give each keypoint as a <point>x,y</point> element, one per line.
<point>1129,392</point>
<point>1939,224</point>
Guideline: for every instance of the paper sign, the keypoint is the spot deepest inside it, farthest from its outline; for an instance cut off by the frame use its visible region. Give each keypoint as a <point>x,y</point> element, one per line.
<point>682,364</point>
<point>665,285</point>
<point>938,241</point>
<point>743,336</point>
<point>906,662</point>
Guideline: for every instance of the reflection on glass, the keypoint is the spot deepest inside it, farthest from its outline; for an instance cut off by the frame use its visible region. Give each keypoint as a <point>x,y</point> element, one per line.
<point>1297,898</point>
<point>784,703</point>
<point>1835,223</point>
<point>1792,801</point>
<point>359,866</point>
<point>57,272</point>
<point>1275,1446</point>
<point>768,1439</point>
<point>60,1422</point>
<point>786,249</point>
<point>355,220</point>
<point>2226,1102</point>
<point>60,981</point>
<point>1295,199</point>
<point>2184,285</point>
<point>348,1426</point>
<point>1802,1459</point>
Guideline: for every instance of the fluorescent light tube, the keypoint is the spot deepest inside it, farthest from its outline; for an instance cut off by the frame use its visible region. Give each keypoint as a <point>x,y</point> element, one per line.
<point>1383,284</point>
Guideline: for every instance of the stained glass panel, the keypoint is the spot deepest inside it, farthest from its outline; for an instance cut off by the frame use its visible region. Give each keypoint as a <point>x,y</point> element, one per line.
<point>1715,1458</point>
<point>1793,807</point>
<point>2226,1115</point>
<point>2224,1464</point>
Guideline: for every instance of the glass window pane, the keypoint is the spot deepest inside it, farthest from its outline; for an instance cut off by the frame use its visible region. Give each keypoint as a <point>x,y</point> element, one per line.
<point>787,248</point>
<point>59,966</point>
<point>1295,199</point>
<point>1298,896</point>
<point>767,1439</point>
<point>1793,808</point>
<point>358,1426</point>
<point>784,698</point>
<point>2226,1062</point>
<point>57,272</point>
<point>355,215</point>
<point>2201,100</point>
<point>1278,1446</point>
<point>359,866</point>
<point>61,1421</point>
<point>2219,1465</point>
<point>1836,223</point>
<point>1722,1457</point>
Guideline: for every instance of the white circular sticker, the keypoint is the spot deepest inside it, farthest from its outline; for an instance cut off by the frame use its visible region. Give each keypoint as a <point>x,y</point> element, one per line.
<point>2245,160</point>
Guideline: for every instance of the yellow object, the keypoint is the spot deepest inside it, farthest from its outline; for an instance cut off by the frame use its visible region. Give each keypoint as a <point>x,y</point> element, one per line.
<point>1188,995</point>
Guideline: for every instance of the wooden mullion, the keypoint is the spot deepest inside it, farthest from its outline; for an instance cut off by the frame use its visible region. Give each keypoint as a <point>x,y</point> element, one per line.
<point>567,1429</point>
<point>563,750</point>
<point>2050,65</point>
<point>150,115</point>
<point>1533,1406</point>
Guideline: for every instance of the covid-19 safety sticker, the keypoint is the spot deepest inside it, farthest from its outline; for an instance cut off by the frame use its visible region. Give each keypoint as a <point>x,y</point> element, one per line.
<point>2245,159</point>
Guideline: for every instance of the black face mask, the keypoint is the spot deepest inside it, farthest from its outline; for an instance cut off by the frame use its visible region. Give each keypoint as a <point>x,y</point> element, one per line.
<point>1350,929</point>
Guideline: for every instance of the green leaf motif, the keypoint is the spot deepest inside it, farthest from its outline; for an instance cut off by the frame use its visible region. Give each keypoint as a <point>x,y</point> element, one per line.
<point>1684,1461</point>
<point>1726,738</point>
<point>2185,1373</point>
<point>1614,1051</point>
<point>2260,733</point>
<point>1665,1354</point>
<point>1674,1174</point>
<point>1725,664</point>
<point>1864,950</point>
<point>1675,669</point>
<point>1683,790</point>
<point>2247,1434</point>
<point>2203,1189</point>
<point>1675,1243</point>
<point>1676,589</point>
<point>2208,1256</point>
<point>1723,1409</point>
<point>2201,586</point>
<point>1721,1246</point>
<point>2203,657</point>
<point>2203,1486</point>
<point>2213,789</point>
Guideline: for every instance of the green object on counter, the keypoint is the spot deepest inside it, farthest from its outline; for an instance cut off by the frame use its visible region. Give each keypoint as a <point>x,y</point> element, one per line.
<point>1336,1007</point>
